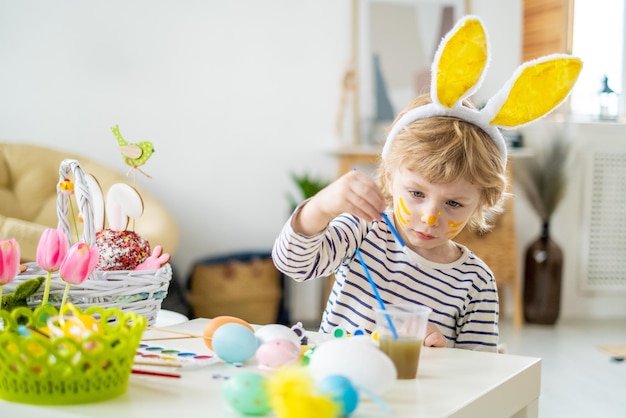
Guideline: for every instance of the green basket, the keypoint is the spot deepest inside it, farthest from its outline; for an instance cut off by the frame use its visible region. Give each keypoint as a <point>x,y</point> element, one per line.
<point>40,370</point>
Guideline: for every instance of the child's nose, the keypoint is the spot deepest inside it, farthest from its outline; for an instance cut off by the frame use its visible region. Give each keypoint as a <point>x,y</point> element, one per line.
<point>431,218</point>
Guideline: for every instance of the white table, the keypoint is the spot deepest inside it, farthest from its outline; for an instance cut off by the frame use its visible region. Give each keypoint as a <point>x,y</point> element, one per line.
<point>450,383</point>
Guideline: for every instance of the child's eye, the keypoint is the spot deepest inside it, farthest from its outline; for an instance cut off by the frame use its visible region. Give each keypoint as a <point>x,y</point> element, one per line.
<point>453,204</point>
<point>417,194</point>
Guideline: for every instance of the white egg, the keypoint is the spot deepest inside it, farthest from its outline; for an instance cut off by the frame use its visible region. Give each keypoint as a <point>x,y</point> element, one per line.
<point>358,360</point>
<point>277,332</point>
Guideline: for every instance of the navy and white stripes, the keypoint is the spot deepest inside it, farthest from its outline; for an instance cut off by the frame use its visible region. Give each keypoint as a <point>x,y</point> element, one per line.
<point>462,294</point>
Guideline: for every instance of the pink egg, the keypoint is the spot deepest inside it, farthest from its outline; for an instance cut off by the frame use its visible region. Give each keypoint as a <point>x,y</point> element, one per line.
<point>276,353</point>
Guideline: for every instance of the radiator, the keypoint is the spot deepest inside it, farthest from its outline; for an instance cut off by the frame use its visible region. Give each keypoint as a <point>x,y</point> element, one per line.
<point>603,229</point>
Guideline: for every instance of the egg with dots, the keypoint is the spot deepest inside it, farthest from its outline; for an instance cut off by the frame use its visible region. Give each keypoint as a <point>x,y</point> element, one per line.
<point>246,393</point>
<point>218,321</point>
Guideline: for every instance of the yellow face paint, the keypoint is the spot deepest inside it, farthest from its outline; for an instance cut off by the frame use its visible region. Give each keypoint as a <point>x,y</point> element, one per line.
<point>400,218</point>
<point>403,206</point>
<point>456,228</point>
<point>432,219</point>
<point>403,221</point>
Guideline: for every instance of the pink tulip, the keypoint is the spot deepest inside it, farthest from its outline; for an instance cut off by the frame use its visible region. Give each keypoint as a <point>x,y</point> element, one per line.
<point>79,263</point>
<point>51,249</point>
<point>9,260</point>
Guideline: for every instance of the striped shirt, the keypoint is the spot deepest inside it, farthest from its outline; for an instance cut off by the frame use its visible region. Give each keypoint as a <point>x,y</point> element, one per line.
<point>462,294</point>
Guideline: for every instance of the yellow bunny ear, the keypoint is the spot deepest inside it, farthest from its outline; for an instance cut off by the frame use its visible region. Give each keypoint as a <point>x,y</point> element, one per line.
<point>537,88</point>
<point>460,62</point>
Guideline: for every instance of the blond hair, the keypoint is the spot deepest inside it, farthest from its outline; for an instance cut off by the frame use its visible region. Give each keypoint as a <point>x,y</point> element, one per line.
<point>446,149</point>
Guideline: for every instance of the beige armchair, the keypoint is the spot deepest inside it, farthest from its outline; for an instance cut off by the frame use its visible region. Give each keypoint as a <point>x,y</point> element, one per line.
<point>28,179</point>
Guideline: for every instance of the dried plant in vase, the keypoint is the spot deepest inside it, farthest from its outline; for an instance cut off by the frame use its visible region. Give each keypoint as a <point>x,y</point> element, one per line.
<point>543,182</point>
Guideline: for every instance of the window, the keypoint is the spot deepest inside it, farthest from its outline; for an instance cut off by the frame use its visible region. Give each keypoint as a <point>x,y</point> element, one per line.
<point>598,39</point>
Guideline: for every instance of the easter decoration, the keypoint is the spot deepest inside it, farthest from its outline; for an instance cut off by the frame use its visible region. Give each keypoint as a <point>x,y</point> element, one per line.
<point>75,341</point>
<point>61,357</point>
<point>134,154</point>
<point>126,275</point>
<point>276,378</point>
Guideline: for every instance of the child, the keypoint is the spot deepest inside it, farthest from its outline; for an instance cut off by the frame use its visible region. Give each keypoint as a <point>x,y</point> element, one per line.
<point>442,168</point>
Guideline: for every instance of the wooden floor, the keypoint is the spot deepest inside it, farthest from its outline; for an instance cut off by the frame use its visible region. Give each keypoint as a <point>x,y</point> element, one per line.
<point>579,379</point>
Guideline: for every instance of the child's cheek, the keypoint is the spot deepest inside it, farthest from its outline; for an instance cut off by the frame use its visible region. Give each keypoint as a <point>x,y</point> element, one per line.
<point>402,212</point>
<point>454,228</point>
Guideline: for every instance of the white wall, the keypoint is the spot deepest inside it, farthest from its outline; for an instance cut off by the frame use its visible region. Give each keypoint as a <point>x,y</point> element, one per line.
<point>234,95</point>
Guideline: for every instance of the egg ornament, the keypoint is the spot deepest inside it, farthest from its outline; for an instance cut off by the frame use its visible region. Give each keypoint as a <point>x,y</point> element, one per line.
<point>341,391</point>
<point>272,354</point>
<point>217,322</point>
<point>234,343</point>
<point>246,392</point>
<point>356,358</point>
<point>277,331</point>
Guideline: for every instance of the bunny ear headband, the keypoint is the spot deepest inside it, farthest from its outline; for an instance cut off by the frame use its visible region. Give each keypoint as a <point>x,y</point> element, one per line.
<point>535,89</point>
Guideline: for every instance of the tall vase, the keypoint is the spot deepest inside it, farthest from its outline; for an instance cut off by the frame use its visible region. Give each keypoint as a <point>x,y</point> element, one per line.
<point>542,279</point>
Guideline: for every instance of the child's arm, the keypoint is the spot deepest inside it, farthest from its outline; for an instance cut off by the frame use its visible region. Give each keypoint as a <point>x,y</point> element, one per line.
<point>354,193</point>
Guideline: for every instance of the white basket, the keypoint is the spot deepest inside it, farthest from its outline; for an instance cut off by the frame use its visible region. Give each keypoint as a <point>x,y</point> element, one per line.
<point>140,291</point>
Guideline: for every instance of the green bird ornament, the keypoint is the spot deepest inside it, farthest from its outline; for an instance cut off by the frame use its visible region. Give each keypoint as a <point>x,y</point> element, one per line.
<point>134,154</point>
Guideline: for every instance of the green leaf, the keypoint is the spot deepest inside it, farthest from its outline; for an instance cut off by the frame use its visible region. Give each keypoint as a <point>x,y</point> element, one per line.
<point>21,293</point>
<point>307,186</point>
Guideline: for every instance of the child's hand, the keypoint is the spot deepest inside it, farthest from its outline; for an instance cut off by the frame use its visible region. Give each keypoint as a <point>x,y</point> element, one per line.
<point>434,337</point>
<point>354,193</point>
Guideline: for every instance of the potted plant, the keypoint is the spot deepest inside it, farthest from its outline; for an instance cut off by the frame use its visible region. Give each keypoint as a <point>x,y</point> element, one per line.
<point>307,186</point>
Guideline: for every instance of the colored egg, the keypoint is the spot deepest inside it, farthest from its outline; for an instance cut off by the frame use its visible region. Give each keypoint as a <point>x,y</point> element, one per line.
<point>276,353</point>
<point>74,326</point>
<point>277,332</point>
<point>217,322</point>
<point>234,343</point>
<point>341,391</point>
<point>356,358</point>
<point>246,392</point>
<point>90,323</point>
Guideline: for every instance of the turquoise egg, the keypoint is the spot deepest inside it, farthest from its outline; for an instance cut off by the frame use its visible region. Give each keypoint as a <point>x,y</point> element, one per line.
<point>234,343</point>
<point>341,391</point>
<point>246,392</point>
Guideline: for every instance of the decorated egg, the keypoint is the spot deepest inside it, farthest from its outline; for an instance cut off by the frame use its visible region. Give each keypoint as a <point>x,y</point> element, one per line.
<point>78,327</point>
<point>341,390</point>
<point>356,358</point>
<point>234,343</point>
<point>217,322</point>
<point>277,332</point>
<point>275,353</point>
<point>246,392</point>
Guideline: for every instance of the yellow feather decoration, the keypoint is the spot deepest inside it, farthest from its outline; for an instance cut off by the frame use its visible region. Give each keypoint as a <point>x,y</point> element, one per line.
<point>292,394</point>
<point>462,62</point>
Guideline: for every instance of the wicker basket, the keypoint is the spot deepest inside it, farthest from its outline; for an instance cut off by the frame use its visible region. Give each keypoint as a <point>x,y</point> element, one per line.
<point>63,370</point>
<point>139,291</point>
